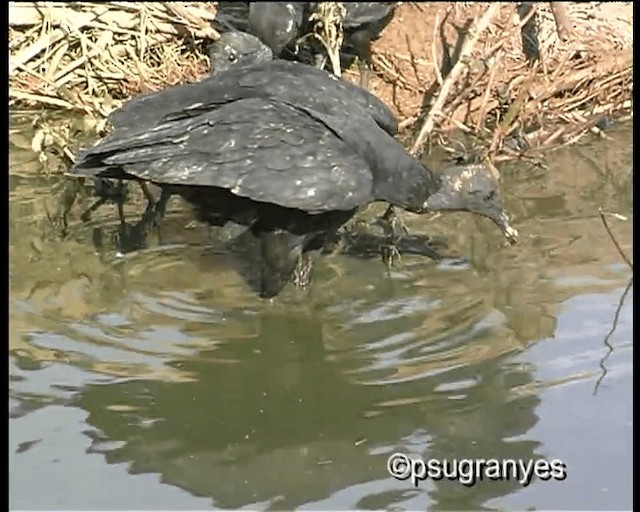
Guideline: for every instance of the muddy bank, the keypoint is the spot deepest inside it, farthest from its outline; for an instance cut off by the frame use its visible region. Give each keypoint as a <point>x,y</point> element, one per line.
<point>512,77</point>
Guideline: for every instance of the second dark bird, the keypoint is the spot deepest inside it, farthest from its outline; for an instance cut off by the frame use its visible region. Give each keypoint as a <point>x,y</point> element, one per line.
<point>286,26</point>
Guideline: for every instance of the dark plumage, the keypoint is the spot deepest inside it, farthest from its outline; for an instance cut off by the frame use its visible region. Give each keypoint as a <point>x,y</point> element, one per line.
<point>288,150</point>
<point>277,24</point>
<point>363,24</point>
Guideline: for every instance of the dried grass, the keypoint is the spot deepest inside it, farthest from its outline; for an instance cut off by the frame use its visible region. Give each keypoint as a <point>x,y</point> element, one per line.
<point>91,56</point>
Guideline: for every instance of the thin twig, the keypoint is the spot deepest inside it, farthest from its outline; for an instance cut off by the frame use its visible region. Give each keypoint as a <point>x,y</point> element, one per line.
<point>407,122</point>
<point>613,238</point>
<point>606,342</point>
<point>554,136</point>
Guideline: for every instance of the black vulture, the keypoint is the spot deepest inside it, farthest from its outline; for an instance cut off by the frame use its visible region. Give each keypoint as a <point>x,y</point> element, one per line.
<point>285,149</point>
<point>291,174</point>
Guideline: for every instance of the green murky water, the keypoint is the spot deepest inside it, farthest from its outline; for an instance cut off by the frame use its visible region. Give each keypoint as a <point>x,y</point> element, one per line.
<point>160,381</point>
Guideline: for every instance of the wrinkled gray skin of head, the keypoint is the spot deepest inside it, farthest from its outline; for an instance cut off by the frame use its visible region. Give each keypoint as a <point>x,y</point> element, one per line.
<point>472,188</point>
<point>235,49</point>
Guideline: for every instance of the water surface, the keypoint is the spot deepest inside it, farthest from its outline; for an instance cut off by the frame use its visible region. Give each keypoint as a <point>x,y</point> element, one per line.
<point>160,381</point>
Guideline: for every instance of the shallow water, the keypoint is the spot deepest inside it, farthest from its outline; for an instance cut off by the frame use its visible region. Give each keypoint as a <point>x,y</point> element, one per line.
<point>159,380</point>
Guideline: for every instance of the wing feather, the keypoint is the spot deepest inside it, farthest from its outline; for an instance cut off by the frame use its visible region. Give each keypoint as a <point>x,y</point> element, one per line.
<point>256,148</point>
